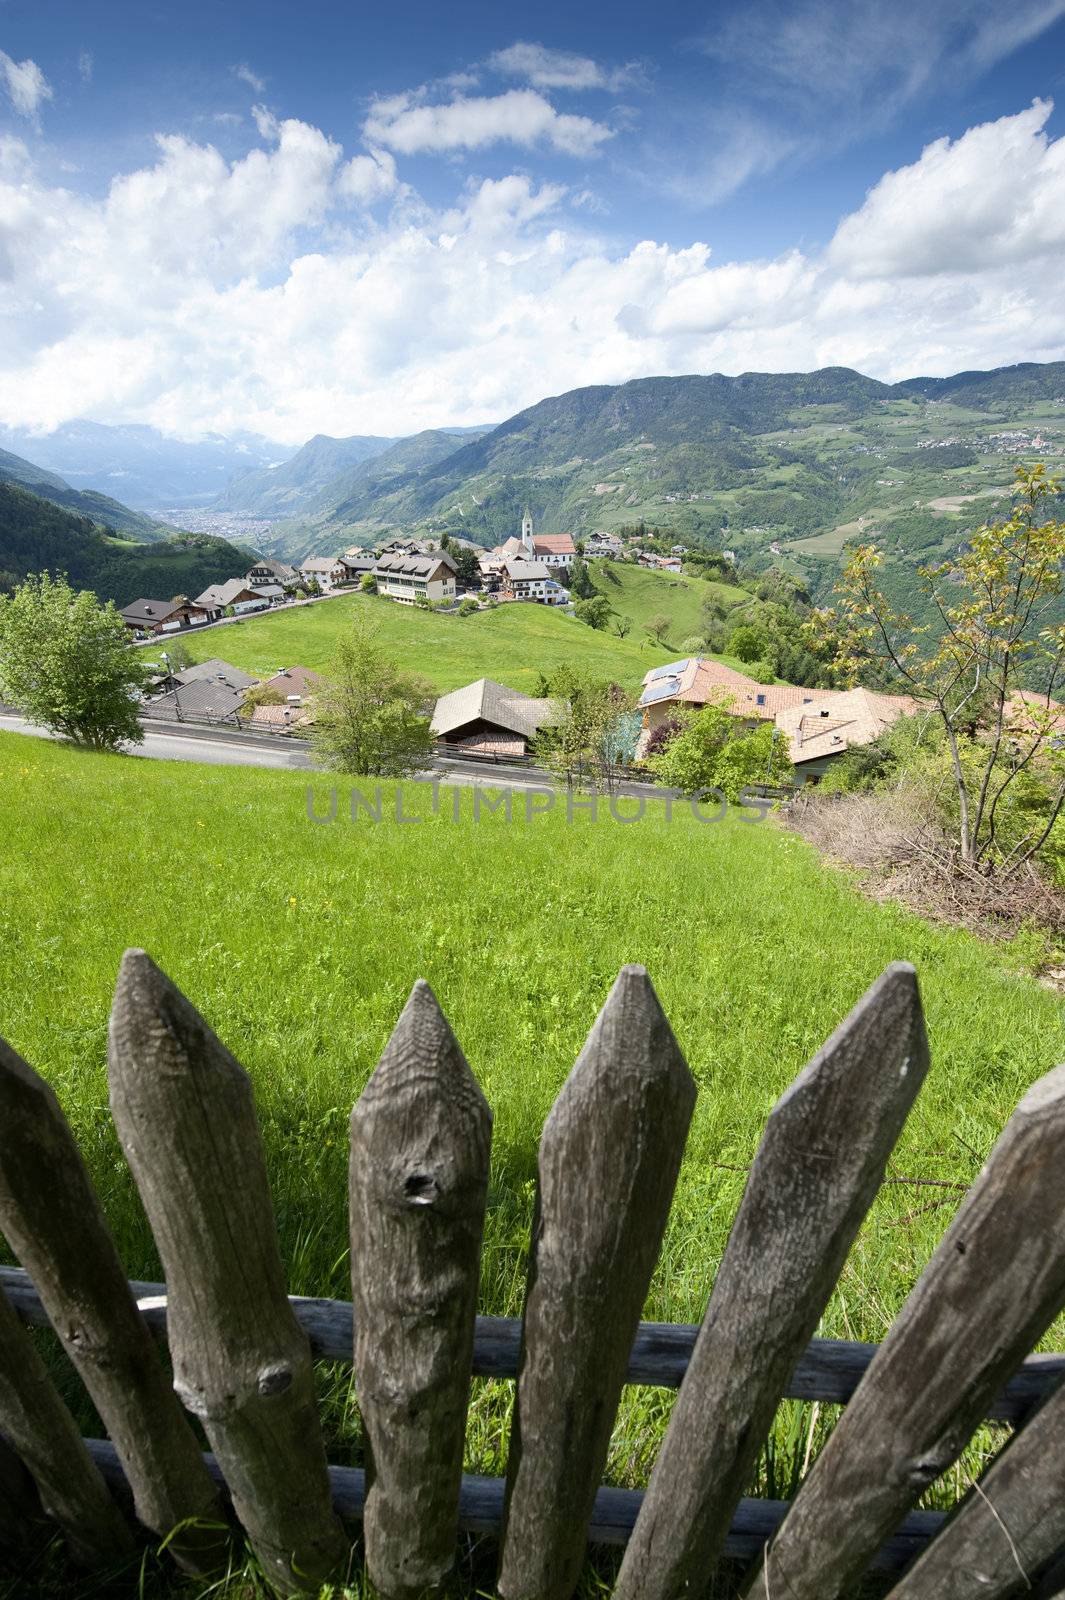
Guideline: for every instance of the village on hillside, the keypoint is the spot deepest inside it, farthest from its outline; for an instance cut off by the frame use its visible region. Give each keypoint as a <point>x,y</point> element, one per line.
<point>528,567</point>
<point>484,720</point>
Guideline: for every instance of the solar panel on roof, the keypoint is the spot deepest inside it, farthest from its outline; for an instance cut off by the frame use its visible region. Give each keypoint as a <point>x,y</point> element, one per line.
<point>658,691</point>
<point>672,669</point>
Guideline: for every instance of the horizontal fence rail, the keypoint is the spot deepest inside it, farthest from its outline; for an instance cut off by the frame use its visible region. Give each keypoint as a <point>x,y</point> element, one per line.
<point>829,1370</point>
<point>612,1521</point>
<point>242,1349</point>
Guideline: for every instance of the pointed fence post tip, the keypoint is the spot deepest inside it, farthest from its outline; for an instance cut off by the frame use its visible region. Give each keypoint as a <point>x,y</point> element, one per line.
<point>609,1158</point>
<point>52,1219</point>
<point>817,1169</point>
<point>420,1148</point>
<point>185,1115</point>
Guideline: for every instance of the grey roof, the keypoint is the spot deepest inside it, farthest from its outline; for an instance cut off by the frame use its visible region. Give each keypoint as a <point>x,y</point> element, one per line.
<point>149,612</point>
<point>204,698</point>
<point>219,595</point>
<point>527,571</point>
<point>319,564</point>
<point>414,566</point>
<point>488,701</point>
<point>212,670</point>
<point>360,563</point>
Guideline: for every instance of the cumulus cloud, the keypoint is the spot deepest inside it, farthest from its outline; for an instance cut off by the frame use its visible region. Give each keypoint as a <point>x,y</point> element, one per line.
<point>994,196</point>
<point>26,85</point>
<point>408,124</point>
<point>202,293</point>
<point>559,69</point>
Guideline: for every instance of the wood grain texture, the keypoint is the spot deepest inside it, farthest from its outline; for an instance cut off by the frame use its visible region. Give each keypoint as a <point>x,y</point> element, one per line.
<point>818,1168</point>
<point>420,1146</point>
<point>994,1284</point>
<point>608,1163</point>
<point>613,1514</point>
<point>185,1116</point>
<point>52,1219</point>
<point>42,1432</point>
<point>828,1369</point>
<point>1008,1529</point>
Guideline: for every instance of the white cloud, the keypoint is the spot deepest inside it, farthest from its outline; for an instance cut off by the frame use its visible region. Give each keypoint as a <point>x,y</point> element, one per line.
<point>26,85</point>
<point>407,124</point>
<point>200,293</point>
<point>994,196</point>
<point>86,65</point>
<point>252,79</point>
<point>559,69</point>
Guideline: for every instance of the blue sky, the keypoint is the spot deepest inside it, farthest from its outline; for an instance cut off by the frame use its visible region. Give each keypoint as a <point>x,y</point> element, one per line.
<point>316,217</point>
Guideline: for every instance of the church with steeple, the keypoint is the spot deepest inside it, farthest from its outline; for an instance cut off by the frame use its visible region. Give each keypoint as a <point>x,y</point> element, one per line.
<point>553,549</point>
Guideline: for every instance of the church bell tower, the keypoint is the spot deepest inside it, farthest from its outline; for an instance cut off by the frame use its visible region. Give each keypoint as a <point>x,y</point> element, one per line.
<point>526,531</point>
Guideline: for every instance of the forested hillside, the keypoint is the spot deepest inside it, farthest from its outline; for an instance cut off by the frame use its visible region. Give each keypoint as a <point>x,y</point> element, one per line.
<point>85,502</point>
<point>36,535</point>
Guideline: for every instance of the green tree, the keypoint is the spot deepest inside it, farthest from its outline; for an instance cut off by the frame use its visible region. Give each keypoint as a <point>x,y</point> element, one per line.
<point>622,626</point>
<point>467,566</point>
<point>66,662</point>
<point>368,583</point>
<point>580,580</point>
<point>748,644</point>
<point>689,761</point>
<point>713,750</point>
<point>586,741</point>
<point>996,607</point>
<point>658,626</point>
<point>178,654</point>
<point>596,612</point>
<point>371,718</point>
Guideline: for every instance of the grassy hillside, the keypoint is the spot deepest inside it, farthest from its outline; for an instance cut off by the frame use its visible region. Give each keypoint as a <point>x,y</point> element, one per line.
<point>300,944</point>
<point>512,643</point>
<point>36,535</point>
<point>642,593</point>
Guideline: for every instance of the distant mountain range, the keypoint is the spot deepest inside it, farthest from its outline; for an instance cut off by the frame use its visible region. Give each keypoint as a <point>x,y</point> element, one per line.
<point>38,534</point>
<point>344,477</point>
<point>786,467</point>
<point>778,466</point>
<point>98,508</point>
<point>140,465</point>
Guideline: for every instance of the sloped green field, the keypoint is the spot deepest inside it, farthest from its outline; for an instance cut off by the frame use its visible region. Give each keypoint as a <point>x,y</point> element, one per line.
<point>299,942</point>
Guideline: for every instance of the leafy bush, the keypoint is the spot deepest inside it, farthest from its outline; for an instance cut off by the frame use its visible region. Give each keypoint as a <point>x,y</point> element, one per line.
<point>595,612</point>
<point>712,750</point>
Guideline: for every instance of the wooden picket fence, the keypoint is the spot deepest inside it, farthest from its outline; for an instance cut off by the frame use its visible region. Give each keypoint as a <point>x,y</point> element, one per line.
<point>242,1350</point>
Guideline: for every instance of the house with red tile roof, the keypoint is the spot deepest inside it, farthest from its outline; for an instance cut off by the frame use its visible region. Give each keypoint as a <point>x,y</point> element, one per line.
<point>819,724</point>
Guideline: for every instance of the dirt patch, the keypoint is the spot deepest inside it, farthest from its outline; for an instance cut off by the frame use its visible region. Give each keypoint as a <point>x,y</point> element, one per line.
<point>902,854</point>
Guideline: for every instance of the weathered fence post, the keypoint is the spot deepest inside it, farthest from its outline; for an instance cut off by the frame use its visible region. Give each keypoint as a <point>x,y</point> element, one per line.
<point>609,1158</point>
<point>1008,1528</point>
<point>52,1219</point>
<point>184,1112</point>
<point>44,1435</point>
<point>995,1282</point>
<point>420,1145</point>
<point>817,1170</point>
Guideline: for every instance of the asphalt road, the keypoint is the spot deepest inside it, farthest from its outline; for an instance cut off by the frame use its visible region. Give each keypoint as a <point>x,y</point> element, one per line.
<point>221,747</point>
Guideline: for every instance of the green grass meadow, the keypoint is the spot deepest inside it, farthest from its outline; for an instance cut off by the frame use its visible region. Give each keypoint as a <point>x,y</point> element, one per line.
<point>512,643</point>
<point>299,942</point>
